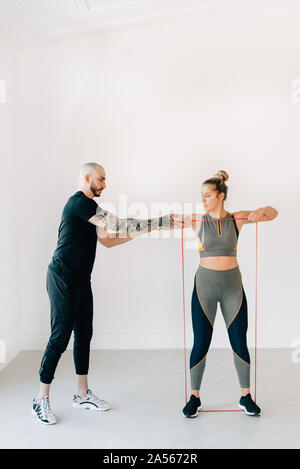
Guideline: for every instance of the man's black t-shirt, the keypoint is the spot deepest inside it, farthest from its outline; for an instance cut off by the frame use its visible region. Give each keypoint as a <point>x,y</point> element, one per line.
<point>75,253</point>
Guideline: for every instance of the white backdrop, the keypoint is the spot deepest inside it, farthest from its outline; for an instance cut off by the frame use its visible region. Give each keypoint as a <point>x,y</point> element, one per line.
<point>162,106</point>
<point>9,319</point>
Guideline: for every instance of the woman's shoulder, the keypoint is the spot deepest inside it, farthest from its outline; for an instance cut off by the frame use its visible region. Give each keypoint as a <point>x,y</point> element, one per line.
<point>241,217</point>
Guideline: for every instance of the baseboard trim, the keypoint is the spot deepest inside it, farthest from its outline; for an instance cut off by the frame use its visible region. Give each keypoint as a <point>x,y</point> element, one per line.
<point>133,341</point>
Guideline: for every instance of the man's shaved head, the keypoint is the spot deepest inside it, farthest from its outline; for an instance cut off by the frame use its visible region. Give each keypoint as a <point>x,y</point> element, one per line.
<point>89,168</point>
<point>92,179</point>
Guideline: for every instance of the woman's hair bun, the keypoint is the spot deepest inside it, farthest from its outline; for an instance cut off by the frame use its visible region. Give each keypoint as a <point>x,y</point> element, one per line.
<point>222,175</point>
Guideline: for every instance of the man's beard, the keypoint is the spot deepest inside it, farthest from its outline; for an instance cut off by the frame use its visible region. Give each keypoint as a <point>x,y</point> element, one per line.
<point>95,191</point>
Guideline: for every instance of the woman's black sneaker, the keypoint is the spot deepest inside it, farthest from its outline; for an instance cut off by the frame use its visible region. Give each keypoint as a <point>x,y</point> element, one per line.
<point>248,405</point>
<point>191,408</point>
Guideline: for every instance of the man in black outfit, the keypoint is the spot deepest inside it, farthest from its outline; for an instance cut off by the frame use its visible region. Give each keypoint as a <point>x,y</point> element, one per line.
<point>68,283</point>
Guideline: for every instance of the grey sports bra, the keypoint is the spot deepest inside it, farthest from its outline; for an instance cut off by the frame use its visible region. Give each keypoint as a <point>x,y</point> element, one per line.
<point>218,237</point>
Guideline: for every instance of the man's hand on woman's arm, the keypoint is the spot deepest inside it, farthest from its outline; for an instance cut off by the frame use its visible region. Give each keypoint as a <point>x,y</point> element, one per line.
<point>110,222</point>
<point>123,230</point>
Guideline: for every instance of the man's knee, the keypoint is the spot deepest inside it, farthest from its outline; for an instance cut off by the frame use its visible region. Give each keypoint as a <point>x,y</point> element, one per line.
<point>83,337</point>
<point>59,343</point>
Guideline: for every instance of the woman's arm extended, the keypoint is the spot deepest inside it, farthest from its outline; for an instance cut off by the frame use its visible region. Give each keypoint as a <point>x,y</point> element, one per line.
<point>254,216</point>
<point>192,220</point>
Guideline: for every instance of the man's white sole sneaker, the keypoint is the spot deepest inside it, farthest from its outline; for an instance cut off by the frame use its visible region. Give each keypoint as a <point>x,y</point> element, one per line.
<point>90,406</point>
<point>40,420</point>
<point>90,401</point>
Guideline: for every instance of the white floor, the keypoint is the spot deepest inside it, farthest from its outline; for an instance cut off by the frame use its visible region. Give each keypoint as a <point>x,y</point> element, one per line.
<point>146,389</point>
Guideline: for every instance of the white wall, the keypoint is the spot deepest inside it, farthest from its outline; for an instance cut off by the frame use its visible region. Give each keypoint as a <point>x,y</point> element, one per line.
<point>9,340</point>
<point>163,106</point>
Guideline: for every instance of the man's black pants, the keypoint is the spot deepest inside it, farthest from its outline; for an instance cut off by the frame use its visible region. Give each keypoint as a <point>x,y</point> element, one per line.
<point>71,309</point>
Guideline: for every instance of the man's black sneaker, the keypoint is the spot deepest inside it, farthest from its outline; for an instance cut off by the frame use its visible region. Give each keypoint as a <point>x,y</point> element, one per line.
<point>248,405</point>
<point>191,408</point>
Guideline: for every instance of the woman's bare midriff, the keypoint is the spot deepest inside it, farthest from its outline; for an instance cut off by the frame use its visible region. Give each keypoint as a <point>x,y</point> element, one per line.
<point>219,262</point>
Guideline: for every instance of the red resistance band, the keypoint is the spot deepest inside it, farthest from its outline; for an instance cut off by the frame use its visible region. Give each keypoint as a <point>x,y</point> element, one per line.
<point>255,315</point>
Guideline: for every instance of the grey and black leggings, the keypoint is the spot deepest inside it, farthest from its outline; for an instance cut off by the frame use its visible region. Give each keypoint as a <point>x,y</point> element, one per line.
<point>224,286</point>
<point>71,309</point>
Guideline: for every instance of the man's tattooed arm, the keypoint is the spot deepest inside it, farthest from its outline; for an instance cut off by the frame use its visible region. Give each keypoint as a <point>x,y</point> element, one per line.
<point>109,221</point>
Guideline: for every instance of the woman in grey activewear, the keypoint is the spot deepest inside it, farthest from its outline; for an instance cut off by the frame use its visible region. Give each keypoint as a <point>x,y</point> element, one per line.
<point>218,280</point>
